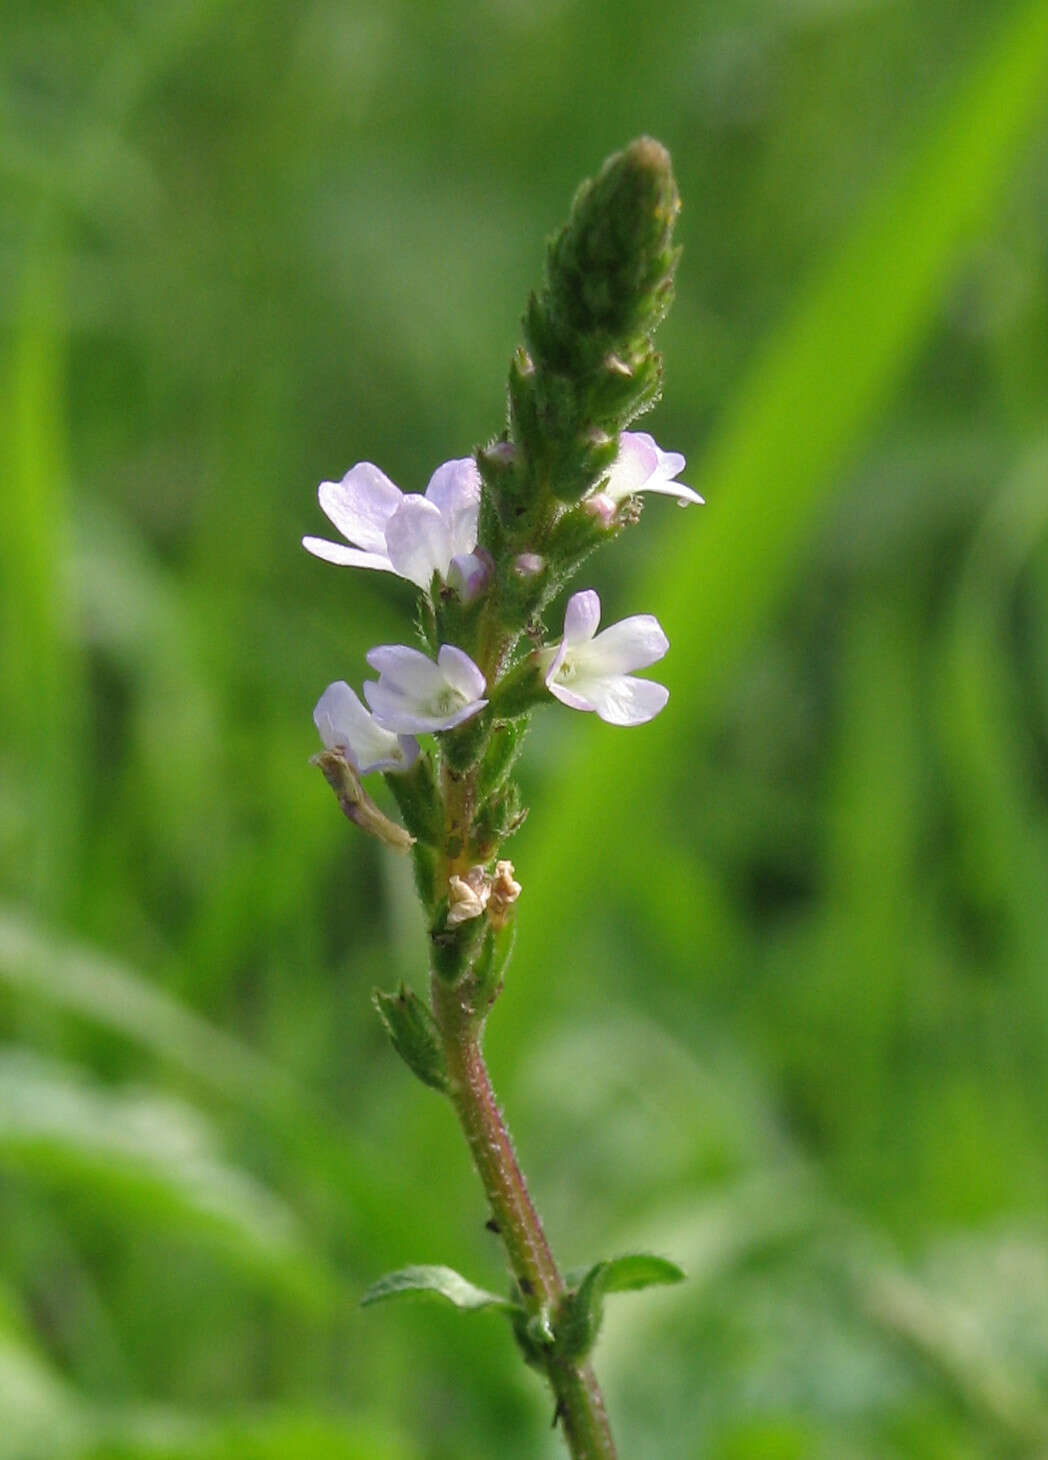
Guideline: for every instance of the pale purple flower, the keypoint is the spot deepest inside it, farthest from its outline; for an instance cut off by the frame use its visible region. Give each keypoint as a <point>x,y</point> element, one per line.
<point>404,533</point>
<point>641,466</point>
<point>588,671</point>
<point>413,694</point>
<point>345,725</point>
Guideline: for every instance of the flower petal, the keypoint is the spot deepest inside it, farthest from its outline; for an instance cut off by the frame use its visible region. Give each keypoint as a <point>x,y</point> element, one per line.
<point>568,696</point>
<point>460,672</point>
<point>643,466</point>
<point>620,699</point>
<point>393,710</point>
<point>666,463</point>
<point>361,504</point>
<point>407,716</point>
<point>663,487</point>
<point>581,618</point>
<point>418,541</point>
<point>634,466</point>
<point>406,670</point>
<point>413,694</point>
<point>454,489</point>
<point>632,643</point>
<point>458,717</point>
<point>344,724</point>
<point>337,715</point>
<point>337,552</point>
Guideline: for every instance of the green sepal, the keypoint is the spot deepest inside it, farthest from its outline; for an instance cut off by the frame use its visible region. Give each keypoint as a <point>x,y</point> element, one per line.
<point>507,737</point>
<point>437,1282</point>
<point>464,745</point>
<point>582,1307</point>
<point>622,389</point>
<point>426,623</point>
<point>456,622</point>
<point>521,595</point>
<point>643,391</point>
<point>417,798</point>
<point>499,467</point>
<point>497,463</point>
<point>489,966</point>
<point>424,863</point>
<point>517,490</point>
<point>587,458</point>
<point>559,405</point>
<point>500,816</point>
<point>454,949</point>
<point>414,1035</point>
<point>520,690</point>
<point>575,536</point>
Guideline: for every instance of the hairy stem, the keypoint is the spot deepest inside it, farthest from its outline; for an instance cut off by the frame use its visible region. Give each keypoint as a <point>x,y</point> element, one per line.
<point>579,1405</point>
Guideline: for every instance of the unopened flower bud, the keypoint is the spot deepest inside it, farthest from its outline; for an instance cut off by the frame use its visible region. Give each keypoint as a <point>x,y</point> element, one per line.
<point>528,565</point>
<point>602,507</point>
<point>502,453</point>
<point>470,574</point>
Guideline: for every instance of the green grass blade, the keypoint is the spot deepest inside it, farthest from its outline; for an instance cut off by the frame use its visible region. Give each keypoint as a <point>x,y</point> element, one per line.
<point>80,981</point>
<point>40,677</point>
<point>152,1159</point>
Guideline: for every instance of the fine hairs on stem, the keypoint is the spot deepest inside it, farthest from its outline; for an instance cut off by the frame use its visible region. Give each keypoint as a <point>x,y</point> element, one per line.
<point>488,547</point>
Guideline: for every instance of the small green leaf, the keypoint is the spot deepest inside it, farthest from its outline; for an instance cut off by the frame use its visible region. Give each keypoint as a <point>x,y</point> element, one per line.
<point>438,1282</point>
<point>635,1270</point>
<point>413,1034</point>
<point>415,793</point>
<point>582,1310</point>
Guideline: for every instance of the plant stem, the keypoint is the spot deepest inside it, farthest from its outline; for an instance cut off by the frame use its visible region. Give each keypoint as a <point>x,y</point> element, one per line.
<point>579,1404</point>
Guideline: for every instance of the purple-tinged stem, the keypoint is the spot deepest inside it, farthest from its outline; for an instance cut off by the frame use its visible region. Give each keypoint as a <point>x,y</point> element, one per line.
<point>579,1404</point>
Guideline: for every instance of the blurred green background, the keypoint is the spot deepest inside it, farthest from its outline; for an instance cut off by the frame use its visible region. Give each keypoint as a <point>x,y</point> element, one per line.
<point>780,1003</point>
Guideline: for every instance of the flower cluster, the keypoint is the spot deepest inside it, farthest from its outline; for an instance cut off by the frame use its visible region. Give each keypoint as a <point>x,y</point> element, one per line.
<point>431,541</point>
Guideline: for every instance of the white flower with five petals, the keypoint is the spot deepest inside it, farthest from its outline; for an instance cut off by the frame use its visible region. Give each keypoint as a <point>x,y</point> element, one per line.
<point>641,466</point>
<point>404,533</point>
<point>589,671</point>
<point>345,725</point>
<point>413,694</point>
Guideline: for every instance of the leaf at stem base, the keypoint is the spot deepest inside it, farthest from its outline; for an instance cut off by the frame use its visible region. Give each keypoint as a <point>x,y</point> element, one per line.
<point>435,1282</point>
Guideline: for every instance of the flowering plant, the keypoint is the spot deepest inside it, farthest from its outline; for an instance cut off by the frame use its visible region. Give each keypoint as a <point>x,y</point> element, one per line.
<point>488,546</point>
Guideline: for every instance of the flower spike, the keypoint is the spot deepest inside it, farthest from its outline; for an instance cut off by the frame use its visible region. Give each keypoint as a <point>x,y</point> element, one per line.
<point>489,544</point>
